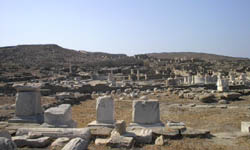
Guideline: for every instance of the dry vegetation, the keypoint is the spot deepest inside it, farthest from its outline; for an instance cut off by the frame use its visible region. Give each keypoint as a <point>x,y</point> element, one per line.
<point>214,119</point>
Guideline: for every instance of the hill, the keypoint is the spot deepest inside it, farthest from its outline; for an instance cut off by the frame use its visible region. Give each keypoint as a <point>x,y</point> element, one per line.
<point>189,55</point>
<point>51,54</point>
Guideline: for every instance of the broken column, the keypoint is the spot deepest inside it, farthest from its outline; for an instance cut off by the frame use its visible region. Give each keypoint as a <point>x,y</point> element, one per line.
<point>222,85</point>
<point>60,116</point>
<point>28,105</point>
<point>146,113</point>
<point>104,112</point>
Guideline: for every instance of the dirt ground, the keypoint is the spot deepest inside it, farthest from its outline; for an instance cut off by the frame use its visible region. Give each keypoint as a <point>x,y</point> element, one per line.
<point>217,120</point>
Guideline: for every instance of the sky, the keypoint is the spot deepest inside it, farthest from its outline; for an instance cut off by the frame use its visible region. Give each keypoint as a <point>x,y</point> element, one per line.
<point>129,26</point>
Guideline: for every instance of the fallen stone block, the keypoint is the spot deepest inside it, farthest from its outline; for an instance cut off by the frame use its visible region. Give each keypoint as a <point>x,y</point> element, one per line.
<point>83,133</point>
<point>60,143</point>
<point>76,144</point>
<point>120,142</point>
<point>22,141</point>
<point>100,141</point>
<point>60,116</point>
<point>100,131</point>
<point>141,135</point>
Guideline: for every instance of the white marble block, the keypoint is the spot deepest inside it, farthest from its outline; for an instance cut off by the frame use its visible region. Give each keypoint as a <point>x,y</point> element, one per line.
<point>105,110</point>
<point>245,127</point>
<point>146,112</point>
<point>60,116</point>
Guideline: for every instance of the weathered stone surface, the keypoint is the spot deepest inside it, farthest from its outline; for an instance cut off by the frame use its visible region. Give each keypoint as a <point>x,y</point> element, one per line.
<point>146,112</point>
<point>32,135</point>
<point>120,126</point>
<point>231,95</point>
<point>7,144</point>
<point>168,132</point>
<point>141,135</point>
<point>105,110</point>
<point>192,133</point>
<point>207,98</point>
<point>160,141</point>
<point>83,133</point>
<point>22,141</point>
<point>76,144</point>
<point>223,101</point>
<point>60,142</point>
<point>28,105</point>
<point>100,131</point>
<point>60,116</point>
<point>245,127</point>
<point>100,141</point>
<point>5,133</point>
<point>120,141</point>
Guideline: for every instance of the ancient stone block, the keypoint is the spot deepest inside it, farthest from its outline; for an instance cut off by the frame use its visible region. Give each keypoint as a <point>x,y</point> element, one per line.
<point>28,105</point>
<point>105,110</point>
<point>146,112</point>
<point>60,116</point>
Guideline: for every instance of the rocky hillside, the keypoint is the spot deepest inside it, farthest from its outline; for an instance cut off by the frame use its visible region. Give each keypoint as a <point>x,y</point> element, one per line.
<point>47,55</point>
<point>189,55</point>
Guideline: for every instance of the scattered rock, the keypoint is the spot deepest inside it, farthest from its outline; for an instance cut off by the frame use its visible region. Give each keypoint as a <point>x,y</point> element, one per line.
<point>60,142</point>
<point>22,141</point>
<point>76,144</point>
<point>120,126</point>
<point>160,141</point>
<point>7,144</point>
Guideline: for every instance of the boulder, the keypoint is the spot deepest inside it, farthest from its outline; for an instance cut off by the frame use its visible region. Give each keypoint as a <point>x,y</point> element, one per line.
<point>76,144</point>
<point>7,144</point>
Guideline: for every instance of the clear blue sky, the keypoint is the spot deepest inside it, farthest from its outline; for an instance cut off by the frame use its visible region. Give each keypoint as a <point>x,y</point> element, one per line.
<point>129,26</point>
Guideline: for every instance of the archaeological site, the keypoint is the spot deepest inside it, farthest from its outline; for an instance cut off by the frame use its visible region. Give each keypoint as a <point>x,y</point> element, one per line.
<point>124,74</point>
<point>72,100</point>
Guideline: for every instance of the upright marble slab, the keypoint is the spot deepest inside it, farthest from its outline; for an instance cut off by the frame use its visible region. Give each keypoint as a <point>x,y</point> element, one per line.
<point>104,112</point>
<point>146,113</point>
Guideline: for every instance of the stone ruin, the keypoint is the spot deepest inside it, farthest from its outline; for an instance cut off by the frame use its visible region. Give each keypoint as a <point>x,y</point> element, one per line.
<point>28,105</point>
<point>146,113</point>
<point>60,117</point>
<point>222,84</point>
<point>104,112</point>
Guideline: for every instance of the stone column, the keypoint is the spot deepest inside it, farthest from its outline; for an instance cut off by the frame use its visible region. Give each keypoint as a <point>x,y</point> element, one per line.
<point>28,105</point>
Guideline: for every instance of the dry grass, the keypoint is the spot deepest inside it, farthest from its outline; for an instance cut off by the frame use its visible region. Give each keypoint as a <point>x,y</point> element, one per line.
<point>213,119</point>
